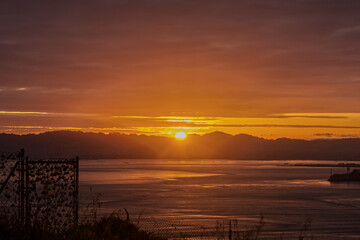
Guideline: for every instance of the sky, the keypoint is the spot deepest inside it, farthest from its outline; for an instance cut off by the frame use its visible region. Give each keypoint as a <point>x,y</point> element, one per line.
<point>269,68</point>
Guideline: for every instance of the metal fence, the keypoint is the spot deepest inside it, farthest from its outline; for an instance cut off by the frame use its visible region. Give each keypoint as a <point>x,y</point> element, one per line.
<point>10,179</point>
<point>39,189</point>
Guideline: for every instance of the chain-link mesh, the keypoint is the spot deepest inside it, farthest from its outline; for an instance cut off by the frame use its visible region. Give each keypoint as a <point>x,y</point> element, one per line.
<point>52,192</point>
<point>39,190</point>
<point>10,184</point>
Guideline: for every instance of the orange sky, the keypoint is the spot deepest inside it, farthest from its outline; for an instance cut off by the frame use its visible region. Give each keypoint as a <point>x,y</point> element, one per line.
<point>266,68</point>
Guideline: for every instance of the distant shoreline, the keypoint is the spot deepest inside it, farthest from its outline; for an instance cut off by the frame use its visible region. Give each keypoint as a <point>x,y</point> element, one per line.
<point>214,145</point>
<point>339,165</point>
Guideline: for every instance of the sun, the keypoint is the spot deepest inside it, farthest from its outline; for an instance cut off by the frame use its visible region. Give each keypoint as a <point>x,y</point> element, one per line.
<point>180,135</point>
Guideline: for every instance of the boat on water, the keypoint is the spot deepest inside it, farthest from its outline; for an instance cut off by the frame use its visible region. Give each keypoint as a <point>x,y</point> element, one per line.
<point>353,176</point>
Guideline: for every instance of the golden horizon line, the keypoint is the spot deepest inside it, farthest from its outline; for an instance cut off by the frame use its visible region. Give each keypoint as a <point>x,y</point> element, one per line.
<point>136,131</point>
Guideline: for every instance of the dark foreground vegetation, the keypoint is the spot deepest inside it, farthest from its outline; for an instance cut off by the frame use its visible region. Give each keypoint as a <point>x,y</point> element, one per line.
<point>106,228</point>
<point>113,227</point>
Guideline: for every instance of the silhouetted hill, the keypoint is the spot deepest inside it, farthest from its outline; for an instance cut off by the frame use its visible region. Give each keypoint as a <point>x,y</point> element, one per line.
<point>212,145</point>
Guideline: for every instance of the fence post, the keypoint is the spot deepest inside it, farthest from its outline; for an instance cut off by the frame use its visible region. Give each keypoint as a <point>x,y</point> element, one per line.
<point>22,193</point>
<point>230,232</point>
<point>76,193</point>
<point>27,201</point>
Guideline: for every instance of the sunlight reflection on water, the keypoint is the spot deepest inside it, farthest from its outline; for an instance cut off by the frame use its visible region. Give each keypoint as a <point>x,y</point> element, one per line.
<point>135,176</point>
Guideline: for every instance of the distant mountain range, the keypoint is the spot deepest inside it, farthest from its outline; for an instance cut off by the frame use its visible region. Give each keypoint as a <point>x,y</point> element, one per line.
<point>213,145</point>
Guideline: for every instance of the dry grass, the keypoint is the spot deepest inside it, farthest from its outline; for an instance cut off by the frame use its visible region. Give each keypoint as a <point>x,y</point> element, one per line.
<point>112,227</point>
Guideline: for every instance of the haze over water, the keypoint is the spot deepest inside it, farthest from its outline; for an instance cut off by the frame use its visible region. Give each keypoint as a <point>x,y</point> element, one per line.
<point>201,192</point>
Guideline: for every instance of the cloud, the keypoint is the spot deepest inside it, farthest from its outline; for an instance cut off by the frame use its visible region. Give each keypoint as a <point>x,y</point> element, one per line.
<point>232,58</point>
<point>40,129</point>
<point>347,31</point>
<point>329,135</point>
<point>21,113</point>
<point>332,135</point>
<point>301,115</point>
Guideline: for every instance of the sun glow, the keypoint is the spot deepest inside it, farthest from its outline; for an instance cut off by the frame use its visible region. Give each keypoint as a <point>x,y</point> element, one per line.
<point>180,135</point>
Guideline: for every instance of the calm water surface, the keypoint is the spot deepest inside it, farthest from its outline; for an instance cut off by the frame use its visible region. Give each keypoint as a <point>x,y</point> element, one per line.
<point>203,191</point>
